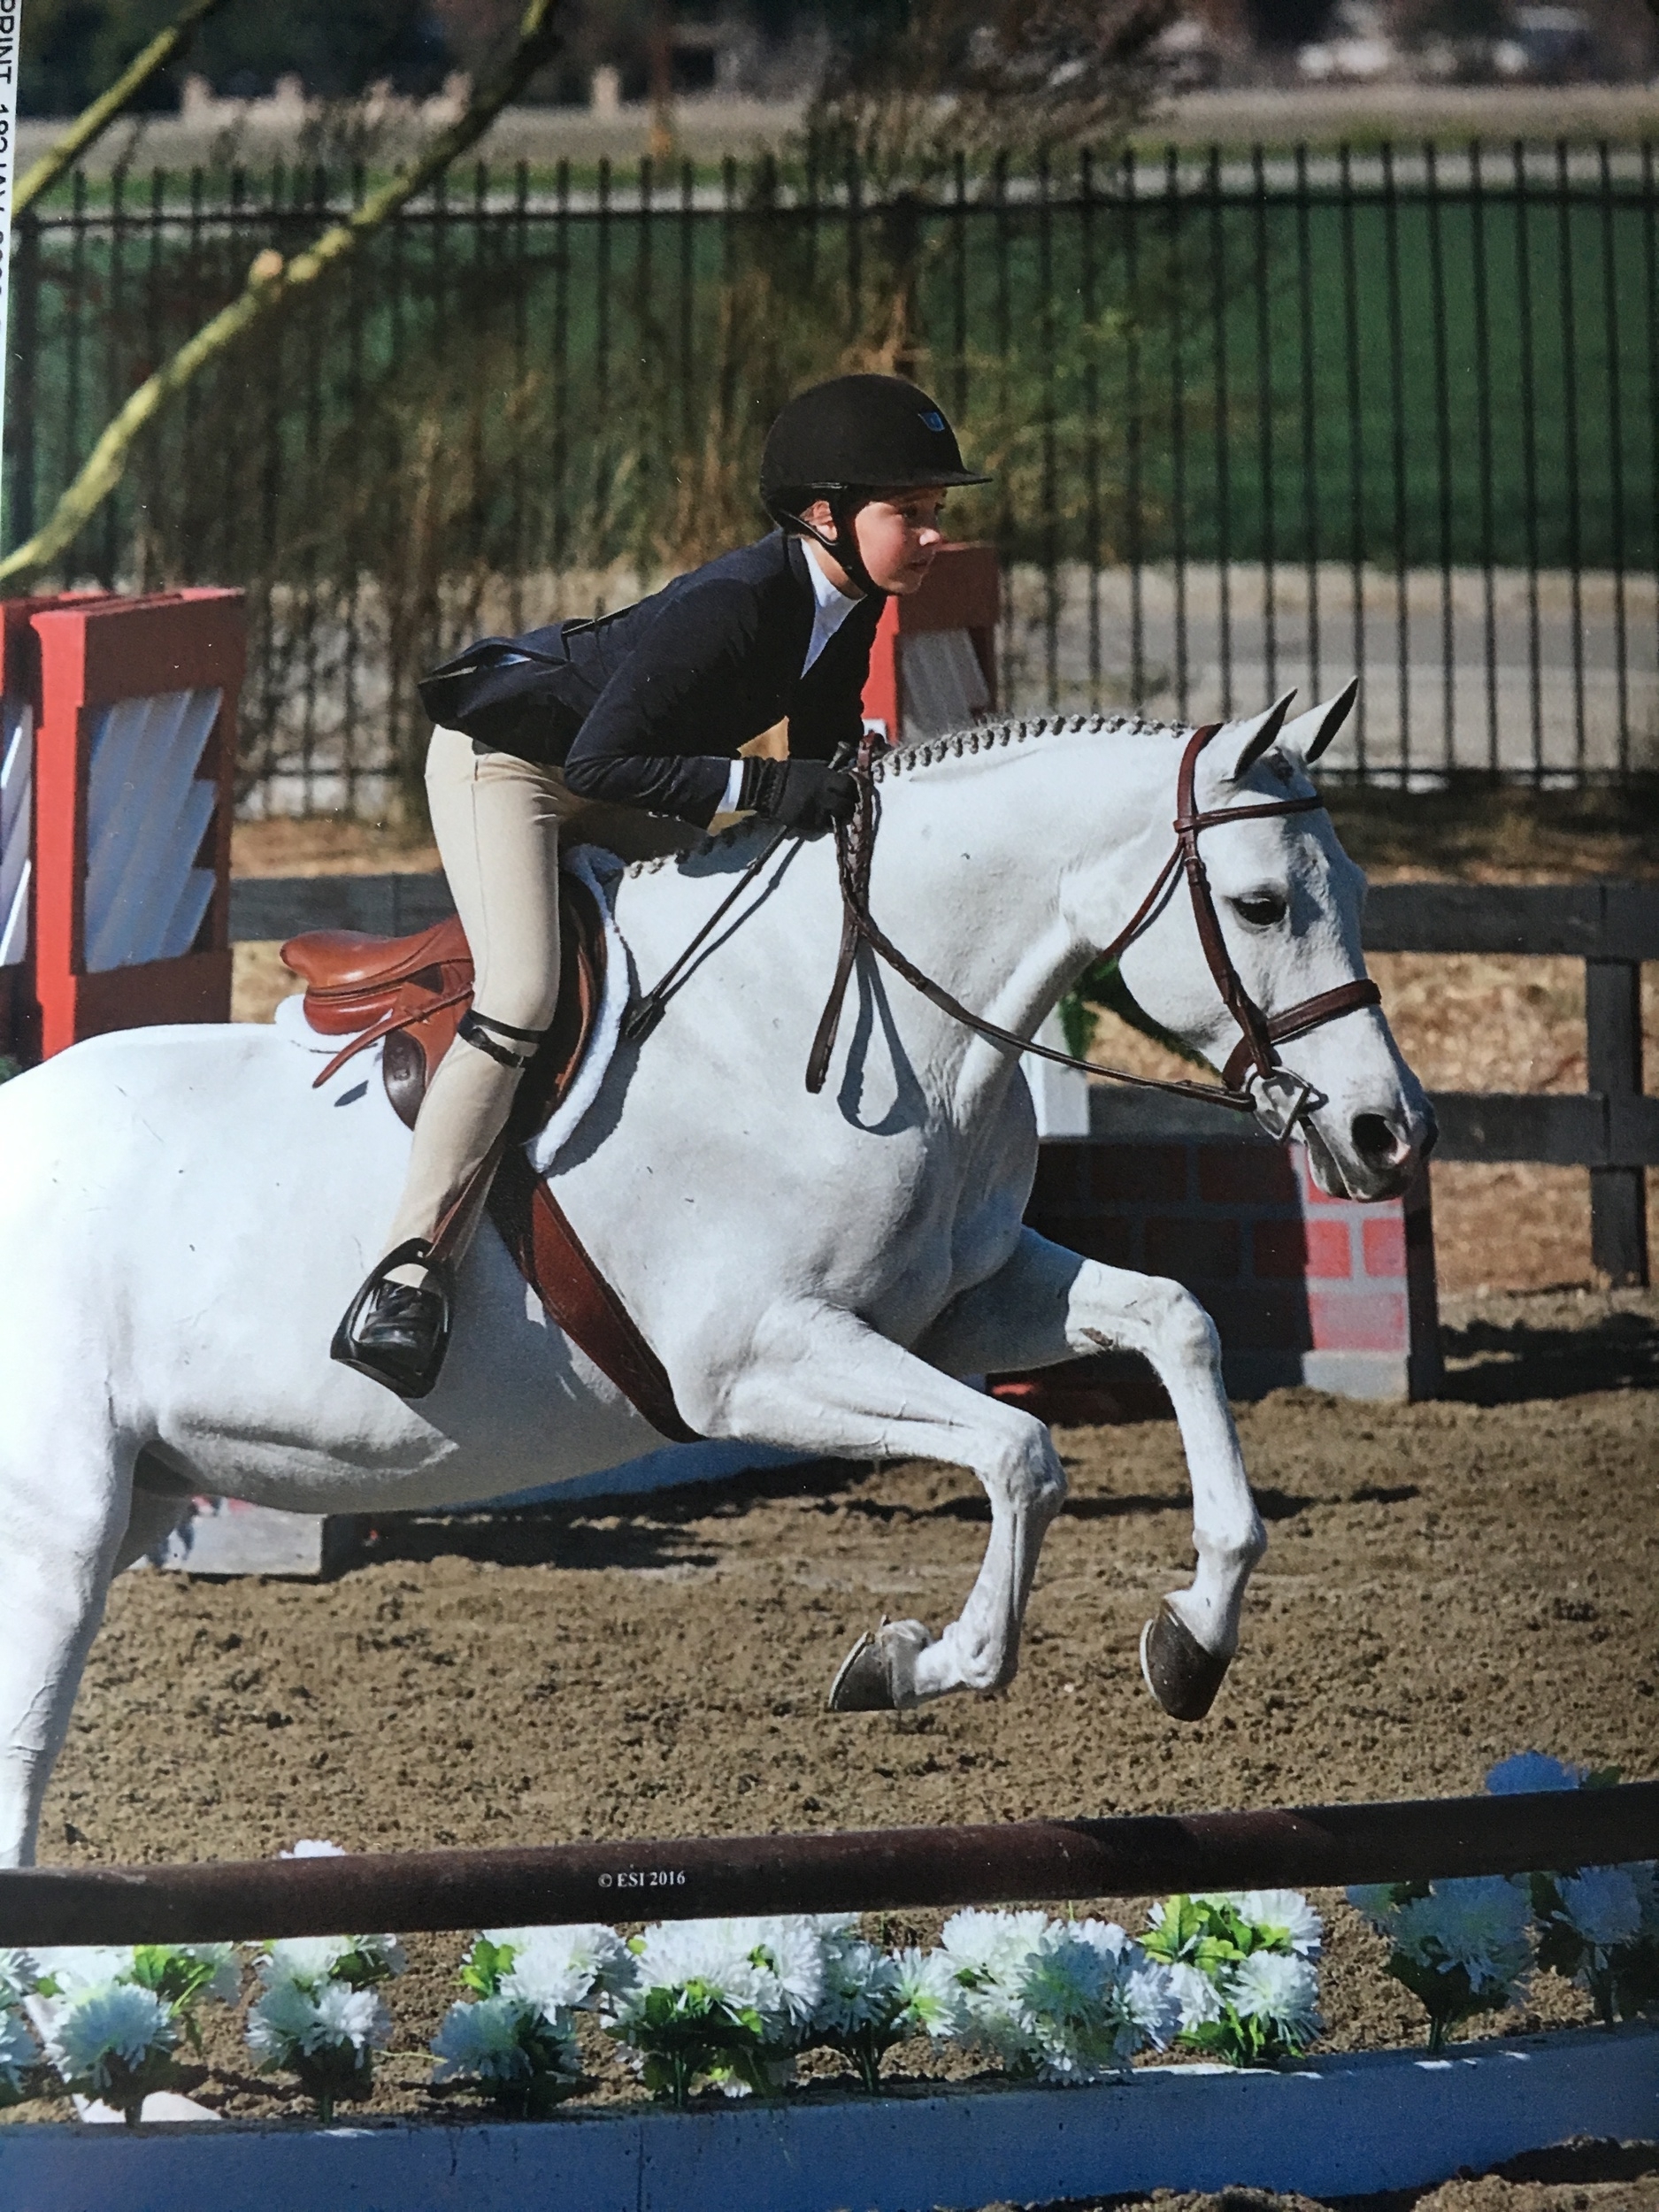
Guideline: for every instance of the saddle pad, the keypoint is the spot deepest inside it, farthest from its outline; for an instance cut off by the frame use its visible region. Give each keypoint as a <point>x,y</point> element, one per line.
<point>412,992</point>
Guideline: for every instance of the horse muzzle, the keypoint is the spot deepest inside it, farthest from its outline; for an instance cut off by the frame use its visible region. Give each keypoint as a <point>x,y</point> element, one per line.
<point>1369,1152</point>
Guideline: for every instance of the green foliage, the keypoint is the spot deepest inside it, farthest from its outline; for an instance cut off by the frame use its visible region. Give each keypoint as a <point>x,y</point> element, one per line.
<point>181,1977</point>
<point>485,1966</point>
<point>690,2029</point>
<point>1104,985</point>
<point>1212,1936</point>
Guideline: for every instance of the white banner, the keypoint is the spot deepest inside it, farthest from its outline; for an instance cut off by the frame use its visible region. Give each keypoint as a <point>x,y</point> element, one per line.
<point>10,28</point>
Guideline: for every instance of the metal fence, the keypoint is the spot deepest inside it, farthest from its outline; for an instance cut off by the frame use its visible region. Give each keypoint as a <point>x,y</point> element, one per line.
<point>1254,422</point>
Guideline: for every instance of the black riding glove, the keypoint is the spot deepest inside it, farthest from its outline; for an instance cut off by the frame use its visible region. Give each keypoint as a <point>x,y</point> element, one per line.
<point>806,795</point>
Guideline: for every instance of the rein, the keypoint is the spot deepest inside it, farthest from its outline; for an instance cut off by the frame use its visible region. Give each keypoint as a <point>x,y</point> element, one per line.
<point>1281,1098</point>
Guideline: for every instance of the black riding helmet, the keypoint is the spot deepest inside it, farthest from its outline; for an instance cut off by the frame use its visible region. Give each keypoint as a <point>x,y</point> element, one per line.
<point>846,439</point>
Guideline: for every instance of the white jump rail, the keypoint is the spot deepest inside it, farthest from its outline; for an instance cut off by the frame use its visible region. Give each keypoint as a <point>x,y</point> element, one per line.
<point>1342,2126</point>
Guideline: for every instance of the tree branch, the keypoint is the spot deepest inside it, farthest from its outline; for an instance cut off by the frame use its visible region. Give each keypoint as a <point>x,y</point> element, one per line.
<point>92,122</point>
<point>270,282</point>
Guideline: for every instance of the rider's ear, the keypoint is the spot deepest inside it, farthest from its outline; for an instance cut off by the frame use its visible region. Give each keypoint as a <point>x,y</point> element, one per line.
<point>1307,737</point>
<point>1253,738</point>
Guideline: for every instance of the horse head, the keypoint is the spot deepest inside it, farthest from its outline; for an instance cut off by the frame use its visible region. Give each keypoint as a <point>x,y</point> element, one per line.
<point>1287,900</point>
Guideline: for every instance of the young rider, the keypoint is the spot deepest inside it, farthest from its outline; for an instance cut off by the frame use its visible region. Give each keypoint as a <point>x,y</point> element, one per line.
<point>645,709</point>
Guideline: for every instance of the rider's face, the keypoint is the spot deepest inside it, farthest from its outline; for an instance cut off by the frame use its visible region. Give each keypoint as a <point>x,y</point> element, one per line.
<point>898,534</point>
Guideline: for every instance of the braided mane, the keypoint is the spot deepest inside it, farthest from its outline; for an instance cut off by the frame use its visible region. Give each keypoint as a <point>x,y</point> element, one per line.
<point>908,760</point>
<point>984,737</point>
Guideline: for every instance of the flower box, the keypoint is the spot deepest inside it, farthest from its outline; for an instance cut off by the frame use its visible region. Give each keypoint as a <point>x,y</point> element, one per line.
<point>1340,2126</point>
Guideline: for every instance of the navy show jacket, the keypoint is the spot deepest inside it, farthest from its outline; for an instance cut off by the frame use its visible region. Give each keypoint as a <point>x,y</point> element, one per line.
<point>663,693</point>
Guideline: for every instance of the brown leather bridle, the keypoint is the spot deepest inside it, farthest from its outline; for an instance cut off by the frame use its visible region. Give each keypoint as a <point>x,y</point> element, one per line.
<point>1275,1094</point>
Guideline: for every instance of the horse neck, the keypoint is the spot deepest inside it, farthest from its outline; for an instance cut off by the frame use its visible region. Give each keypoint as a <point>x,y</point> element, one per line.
<point>976,856</point>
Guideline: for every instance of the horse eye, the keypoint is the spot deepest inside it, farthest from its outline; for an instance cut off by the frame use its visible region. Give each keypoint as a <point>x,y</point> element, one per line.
<point>1263,912</point>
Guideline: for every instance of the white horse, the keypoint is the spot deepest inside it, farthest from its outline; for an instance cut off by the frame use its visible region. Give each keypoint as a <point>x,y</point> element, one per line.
<point>182,1218</point>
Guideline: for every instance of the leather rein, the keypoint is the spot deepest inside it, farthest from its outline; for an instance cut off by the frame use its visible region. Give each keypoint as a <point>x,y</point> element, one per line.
<point>1255,1080</point>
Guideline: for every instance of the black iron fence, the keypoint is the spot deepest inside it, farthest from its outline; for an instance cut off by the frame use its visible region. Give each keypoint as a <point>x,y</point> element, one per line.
<point>1253,423</point>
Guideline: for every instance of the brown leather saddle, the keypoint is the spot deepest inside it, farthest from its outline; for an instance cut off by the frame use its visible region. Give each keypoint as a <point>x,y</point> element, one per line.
<point>412,992</point>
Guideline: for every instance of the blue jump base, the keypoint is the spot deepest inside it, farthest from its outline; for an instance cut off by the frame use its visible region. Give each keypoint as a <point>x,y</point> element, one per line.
<point>1344,2126</point>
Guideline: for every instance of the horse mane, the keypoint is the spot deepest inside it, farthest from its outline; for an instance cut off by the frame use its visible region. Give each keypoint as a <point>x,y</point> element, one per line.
<point>908,760</point>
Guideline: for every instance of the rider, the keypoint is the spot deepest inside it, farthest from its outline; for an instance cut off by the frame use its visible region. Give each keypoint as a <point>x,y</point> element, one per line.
<point>644,709</point>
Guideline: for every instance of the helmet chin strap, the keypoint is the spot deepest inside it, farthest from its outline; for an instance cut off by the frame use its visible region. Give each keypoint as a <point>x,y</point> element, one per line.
<point>843,547</point>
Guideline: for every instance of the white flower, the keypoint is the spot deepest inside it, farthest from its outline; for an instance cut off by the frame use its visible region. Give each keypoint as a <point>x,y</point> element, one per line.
<point>991,1946</point>
<point>281,2021</point>
<point>860,1985</point>
<point>487,2042</point>
<point>309,1960</point>
<point>83,1965</point>
<point>18,2053</point>
<point>356,2016</point>
<point>290,2020</point>
<point>1196,1995</point>
<point>1283,1991</point>
<point>1479,1923</point>
<point>713,1954</point>
<point>931,2000</point>
<point>304,1961</point>
<point>1531,1770</point>
<point>1602,1906</point>
<point>1283,1915</point>
<point>99,2026</point>
<point>1075,2005</point>
<point>790,1947</point>
<point>560,1968</point>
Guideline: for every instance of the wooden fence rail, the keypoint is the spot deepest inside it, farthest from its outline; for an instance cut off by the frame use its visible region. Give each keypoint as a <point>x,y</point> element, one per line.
<point>860,1870</point>
<point>1611,1127</point>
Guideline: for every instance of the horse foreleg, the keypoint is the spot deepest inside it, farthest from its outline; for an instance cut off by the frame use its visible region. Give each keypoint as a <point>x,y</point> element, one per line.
<point>65,1506</point>
<point>821,1381</point>
<point>1046,1305</point>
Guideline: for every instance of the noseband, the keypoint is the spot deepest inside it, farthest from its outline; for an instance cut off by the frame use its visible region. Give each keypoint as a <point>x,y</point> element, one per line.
<point>1254,1080</point>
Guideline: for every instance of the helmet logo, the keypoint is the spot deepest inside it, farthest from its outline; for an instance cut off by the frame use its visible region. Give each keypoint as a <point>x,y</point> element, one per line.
<point>934,421</point>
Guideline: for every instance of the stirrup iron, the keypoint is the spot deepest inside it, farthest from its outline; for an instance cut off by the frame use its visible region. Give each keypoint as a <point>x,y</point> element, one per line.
<point>416,1251</point>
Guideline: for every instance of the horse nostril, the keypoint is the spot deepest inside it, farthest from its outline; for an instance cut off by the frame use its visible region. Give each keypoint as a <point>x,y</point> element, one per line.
<point>1376,1143</point>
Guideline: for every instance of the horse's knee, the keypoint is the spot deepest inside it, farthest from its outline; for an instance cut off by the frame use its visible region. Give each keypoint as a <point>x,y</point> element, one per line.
<point>1182,1331</point>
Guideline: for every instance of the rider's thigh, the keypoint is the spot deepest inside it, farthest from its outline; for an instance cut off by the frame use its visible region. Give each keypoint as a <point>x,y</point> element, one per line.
<point>497,819</point>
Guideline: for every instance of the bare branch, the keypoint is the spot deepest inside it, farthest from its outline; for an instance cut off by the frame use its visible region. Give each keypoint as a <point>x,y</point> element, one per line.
<point>270,282</point>
<point>92,122</point>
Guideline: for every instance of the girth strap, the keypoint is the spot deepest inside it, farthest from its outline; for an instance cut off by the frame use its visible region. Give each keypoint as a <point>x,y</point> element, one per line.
<point>554,1262</point>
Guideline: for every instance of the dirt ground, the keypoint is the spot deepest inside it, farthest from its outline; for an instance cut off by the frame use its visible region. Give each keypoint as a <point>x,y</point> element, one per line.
<point>1446,1584</point>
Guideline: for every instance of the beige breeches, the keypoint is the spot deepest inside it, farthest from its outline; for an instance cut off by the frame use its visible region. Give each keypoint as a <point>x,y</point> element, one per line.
<point>497,821</point>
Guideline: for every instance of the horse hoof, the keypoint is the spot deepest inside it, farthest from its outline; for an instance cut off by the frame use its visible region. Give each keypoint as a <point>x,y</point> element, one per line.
<point>1181,1675</point>
<point>866,1682</point>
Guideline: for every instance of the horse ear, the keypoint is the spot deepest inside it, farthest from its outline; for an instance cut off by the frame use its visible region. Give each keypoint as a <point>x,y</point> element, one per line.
<point>1310,733</point>
<point>1255,737</point>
